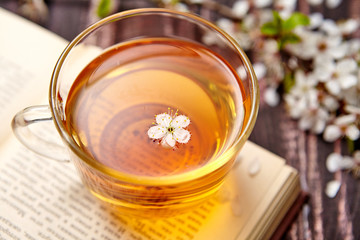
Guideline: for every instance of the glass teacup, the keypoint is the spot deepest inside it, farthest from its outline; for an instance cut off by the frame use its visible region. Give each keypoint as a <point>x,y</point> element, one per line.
<point>118,80</point>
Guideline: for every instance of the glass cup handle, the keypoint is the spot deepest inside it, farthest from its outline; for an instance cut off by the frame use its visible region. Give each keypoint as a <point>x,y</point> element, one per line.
<point>39,142</point>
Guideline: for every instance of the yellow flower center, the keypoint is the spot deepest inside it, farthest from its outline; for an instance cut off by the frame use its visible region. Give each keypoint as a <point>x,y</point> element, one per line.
<point>170,129</point>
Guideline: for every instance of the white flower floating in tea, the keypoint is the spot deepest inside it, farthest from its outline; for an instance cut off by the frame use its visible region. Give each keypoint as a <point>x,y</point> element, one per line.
<point>169,129</point>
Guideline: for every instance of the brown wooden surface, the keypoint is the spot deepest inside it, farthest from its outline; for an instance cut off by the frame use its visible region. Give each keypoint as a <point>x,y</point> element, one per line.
<point>322,217</point>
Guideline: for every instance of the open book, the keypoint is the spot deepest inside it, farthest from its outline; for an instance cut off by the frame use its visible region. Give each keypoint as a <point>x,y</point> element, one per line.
<point>44,199</point>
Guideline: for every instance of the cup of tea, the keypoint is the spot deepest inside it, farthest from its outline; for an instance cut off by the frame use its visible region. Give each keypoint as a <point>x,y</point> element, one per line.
<point>150,108</point>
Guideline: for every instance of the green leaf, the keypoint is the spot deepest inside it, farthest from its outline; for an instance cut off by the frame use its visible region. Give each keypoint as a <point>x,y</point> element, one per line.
<point>288,38</point>
<point>270,29</point>
<point>104,8</point>
<point>296,19</point>
<point>288,82</point>
<point>276,17</point>
<point>350,145</point>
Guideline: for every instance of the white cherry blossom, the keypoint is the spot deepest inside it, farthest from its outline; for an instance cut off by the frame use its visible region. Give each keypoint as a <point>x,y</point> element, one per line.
<point>314,120</point>
<point>336,161</point>
<point>303,96</point>
<point>265,15</point>
<point>227,25</point>
<point>307,48</point>
<point>262,3</point>
<point>338,75</point>
<point>244,39</point>
<point>353,109</point>
<point>348,26</point>
<point>316,19</point>
<point>333,3</point>
<point>330,102</point>
<point>303,104</point>
<point>332,133</point>
<point>332,188</point>
<point>271,96</point>
<point>351,96</point>
<point>260,70</point>
<point>315,2</point>
<point>181,7</point>
<point>354,47</point>
<point>169,129</point>
<point>269,54</point>
<point>342,126</point>
<point>240,8</point>
<point>330,27</point>
<point>328,3</point>
<point>318,46</point>
<point>286,7</point>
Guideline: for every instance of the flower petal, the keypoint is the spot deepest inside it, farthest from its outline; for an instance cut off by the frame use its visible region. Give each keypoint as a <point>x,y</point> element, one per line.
<point>344,120</point>
<point>241,72</point>
<point>168,141</point>
<point>333,3</point>
<point>254,167</point>
<point>182,135</point>
<point>332,133</point>
<point>347,162</point>
<point>348,81</point>
<point>180,121</point>
<point>314,2</point>
<point>271,97</point>
<point>333,87</point>
<point>352,132</point>
<point>156,132</point>
<point>332,188</point>
<point>319,126</point>
<point>352,109</point>
<point>260,70</point>
<point>349,26</point>
<point>339,51</point>
<point>270,46</point>
<point>163,119</point>
<point>305,122</point>
<point>262,3</point>
<point>345,66</point>
<point>330,102</point>
<point>329,26</point>
<point>316,20</point>
<point>240,8</point>
<point>225,24</point>
<point>333,162</point>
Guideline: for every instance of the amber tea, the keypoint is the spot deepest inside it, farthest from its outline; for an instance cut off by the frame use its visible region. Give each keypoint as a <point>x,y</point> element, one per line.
<point>114,100</point>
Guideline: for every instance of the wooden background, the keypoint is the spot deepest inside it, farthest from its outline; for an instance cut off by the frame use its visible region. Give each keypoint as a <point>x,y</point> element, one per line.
<point>322,217</point>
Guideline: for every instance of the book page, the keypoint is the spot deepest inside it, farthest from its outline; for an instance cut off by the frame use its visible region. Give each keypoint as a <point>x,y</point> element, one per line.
<point>45,199</point>
<point>28,54</point>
